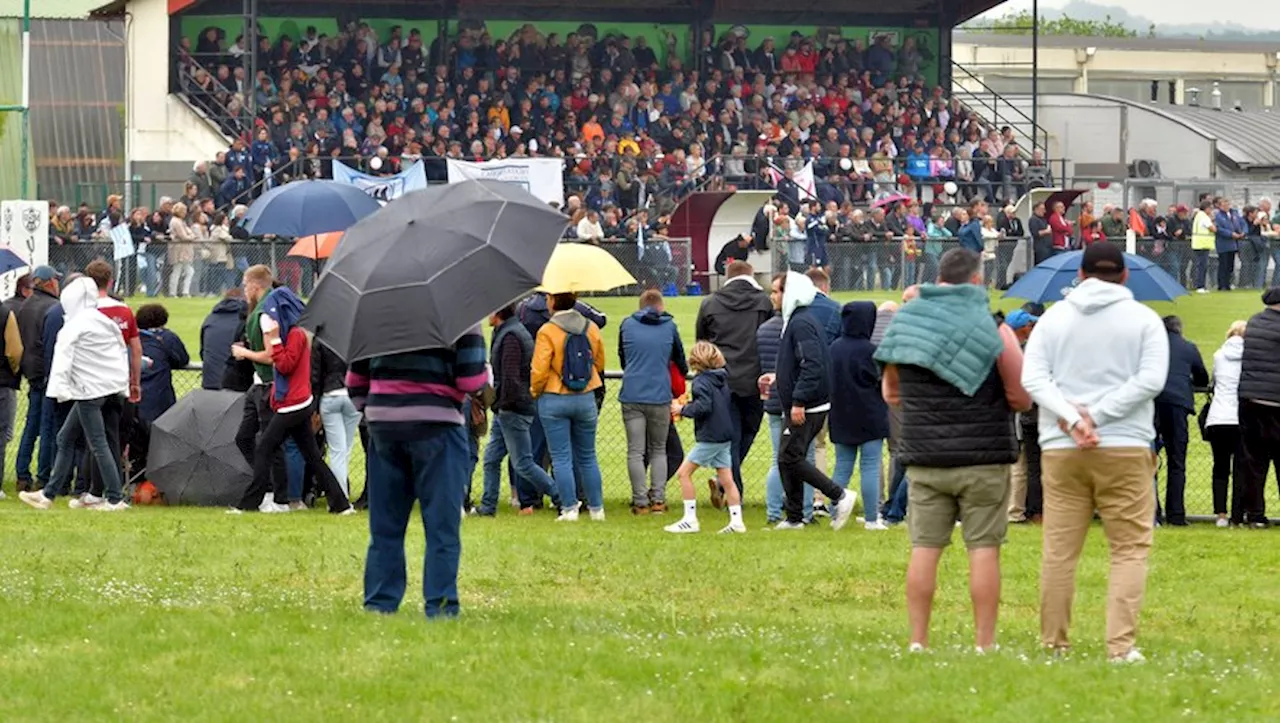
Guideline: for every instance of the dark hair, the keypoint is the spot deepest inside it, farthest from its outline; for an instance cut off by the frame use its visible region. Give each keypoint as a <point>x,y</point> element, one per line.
<point>1172,324</point>
<point>152,316</point>
<point>1033,308</point>
<point>563,302</point>
<point>505,312</point>
<point>958,266</point>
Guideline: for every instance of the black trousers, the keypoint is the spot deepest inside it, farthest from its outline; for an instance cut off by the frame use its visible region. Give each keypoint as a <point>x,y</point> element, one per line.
<point>257,413</point>
<point>1171,425</point>
<point>1225,442</point>
<point>1035,487</point>
<point>294,425</point>
<point>1226,267</point>
<point>1259,450</point>
<point>747,412</point>
<point>794,467</point>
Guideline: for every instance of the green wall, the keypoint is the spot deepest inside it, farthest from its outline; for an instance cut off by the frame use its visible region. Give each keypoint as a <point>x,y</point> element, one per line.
<point>11,122</point>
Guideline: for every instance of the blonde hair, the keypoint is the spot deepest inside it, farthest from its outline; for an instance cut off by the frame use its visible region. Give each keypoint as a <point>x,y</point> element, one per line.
<point>179,210</point>
<point>705,356</point>
<point>1237,328</point>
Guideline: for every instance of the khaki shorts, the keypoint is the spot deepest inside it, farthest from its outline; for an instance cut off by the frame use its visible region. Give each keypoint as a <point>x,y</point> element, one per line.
<point>977,496</point>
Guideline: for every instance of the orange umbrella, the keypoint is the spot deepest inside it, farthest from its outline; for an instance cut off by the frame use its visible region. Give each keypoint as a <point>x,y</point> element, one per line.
<point>320,246</point>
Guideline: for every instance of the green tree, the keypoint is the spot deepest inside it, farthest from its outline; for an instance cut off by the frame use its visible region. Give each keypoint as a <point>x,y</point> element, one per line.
<point>1020,24</point>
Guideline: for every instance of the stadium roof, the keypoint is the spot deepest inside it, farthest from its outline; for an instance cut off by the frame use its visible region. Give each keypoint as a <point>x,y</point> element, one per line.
<point>1245,140</point>
<point>903,13</point>
<point>49,9</point>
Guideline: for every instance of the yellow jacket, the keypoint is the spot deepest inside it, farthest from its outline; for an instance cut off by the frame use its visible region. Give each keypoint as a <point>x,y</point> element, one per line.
<point>1202,232</point>
<point>548,354</point>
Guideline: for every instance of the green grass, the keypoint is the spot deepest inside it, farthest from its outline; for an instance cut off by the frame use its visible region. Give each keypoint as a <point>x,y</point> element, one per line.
<point>163,614</point>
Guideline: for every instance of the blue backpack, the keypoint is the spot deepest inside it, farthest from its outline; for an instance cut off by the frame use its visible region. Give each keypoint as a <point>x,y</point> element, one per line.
<point>579,363</point>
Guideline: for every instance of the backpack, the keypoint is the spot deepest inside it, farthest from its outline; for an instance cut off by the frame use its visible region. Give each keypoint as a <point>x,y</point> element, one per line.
<point>578,364</point>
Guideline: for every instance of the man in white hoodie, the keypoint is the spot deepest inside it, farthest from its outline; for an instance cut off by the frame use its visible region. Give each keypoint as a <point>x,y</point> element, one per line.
<point>90,367</point>
<point>1095,364</point>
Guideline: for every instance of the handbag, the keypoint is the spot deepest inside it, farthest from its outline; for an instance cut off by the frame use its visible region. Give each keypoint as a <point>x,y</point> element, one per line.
<point>1202,418</point>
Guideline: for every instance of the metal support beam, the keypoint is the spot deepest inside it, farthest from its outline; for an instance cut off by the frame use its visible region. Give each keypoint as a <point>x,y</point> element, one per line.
<point>1035,76</point>
<point>26,98</point>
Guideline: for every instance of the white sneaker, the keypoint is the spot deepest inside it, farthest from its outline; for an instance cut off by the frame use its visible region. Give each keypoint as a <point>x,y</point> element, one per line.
<point>271,508</point>
<point>515,502</point>
<point>785,525</point>
<point>597,515</point>
<point>1133,657</point>
<point>1222,521</point>
<point>915,648</point>
<point>3,495</point>
<point>120,506</point>
<point>569,514</point>
<point>844,510</point>
<point>85,501</point>
<point>733,529</point>
<point>36,499</point>
<point>234,511</point>
<point>876,526</point>
<point>348,512</point>
<point>297,506</point>
<point>684,527</point>
<point>1202,291</point>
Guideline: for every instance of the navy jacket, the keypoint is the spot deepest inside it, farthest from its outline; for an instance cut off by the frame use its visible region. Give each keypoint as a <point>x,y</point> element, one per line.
<point>648,342</point>
<point>54,318</point>
<point>826,311</point>
<point>216,336</point>
<point>710,408</point>
<point>162,352</point>
<point>858,411</point>
<point>232,190</point>
<point>768,341</point>
<point>534,311</point>
<point>804,363</point>
<point>1186,371</point>
<point>970,236</point>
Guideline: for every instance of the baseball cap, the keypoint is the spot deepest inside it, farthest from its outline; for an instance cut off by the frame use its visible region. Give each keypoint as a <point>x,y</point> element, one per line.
<point>1102,258</point>
<point>1018,319</point>
<point>45,273</point>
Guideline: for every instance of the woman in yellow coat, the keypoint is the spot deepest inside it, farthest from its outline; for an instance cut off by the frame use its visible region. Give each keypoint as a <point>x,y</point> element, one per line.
<point>1202,234</point>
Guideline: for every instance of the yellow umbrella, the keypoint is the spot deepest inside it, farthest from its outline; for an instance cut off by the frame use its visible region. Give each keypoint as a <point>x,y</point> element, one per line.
<point>578,267</point>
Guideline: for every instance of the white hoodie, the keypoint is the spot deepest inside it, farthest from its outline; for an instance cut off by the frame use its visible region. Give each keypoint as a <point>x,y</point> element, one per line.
<point>1102,349</point>
<point>800,292</point>
<point>90,359</point>
<point>1225,410</point>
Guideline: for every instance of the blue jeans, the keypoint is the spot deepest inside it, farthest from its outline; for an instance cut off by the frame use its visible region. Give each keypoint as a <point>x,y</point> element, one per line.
<point>1275,274</point>
<point>295,470</point>
<point>898,485</point>
<point>85,422</point>
<point>868,471</point>
<point>773,494</point>
<point>569,421</point>
<point>509,435</point>
<point>31,430</point>
<point>1200,269</point>
<point>340,419</point>
<point>431,470</point>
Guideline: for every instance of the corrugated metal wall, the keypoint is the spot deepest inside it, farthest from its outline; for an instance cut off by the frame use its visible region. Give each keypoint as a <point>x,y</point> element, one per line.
<point>77,107</point>
<point>11,123</point>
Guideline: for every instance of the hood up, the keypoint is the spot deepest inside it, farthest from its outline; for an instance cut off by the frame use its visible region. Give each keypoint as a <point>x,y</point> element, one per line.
<point>79,295</point>
<point>1094,295</point>
<point>800,292</point>
<point>858,320</point>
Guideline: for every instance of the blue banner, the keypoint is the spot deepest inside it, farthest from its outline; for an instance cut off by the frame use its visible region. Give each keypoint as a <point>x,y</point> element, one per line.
<point>383,188</point>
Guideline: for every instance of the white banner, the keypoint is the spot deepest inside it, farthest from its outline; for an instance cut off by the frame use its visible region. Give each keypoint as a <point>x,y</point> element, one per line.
<point>24,228</point>
<point>383,188</point>
<point>542,177</point>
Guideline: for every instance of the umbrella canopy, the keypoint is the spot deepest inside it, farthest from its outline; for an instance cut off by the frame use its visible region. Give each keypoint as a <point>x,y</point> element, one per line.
<point>1056,276</point>
<point>319,246</point>
<point>193,458</point>
<point>305,208</point>
<point>576,267</point>
<point>10,260</point>
<point>423,270</point>
<point>890,200</point>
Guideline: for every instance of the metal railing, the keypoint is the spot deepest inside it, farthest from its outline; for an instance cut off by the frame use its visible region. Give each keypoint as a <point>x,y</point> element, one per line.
<point>989,104</point>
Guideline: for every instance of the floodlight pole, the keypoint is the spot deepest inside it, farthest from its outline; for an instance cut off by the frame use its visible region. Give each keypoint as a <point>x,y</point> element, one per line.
<point>1035,74</point>
<point>24,106</point>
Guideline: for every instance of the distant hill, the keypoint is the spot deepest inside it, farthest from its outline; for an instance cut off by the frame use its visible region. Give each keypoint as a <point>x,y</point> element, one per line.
<point>1215,30</point>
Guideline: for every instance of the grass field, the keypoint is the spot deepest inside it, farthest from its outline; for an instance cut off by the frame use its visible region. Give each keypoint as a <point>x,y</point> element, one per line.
<point>163,614</point>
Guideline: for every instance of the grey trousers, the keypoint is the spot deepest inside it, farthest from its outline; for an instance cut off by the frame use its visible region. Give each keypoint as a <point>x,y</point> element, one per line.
<point>647,426</point>
<point>8,413</point>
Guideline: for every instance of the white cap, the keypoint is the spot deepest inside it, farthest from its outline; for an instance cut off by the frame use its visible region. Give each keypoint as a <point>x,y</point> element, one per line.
<point>516,129</point>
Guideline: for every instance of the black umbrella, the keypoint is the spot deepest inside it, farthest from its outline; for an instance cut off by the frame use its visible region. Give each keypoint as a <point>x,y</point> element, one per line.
<point>424,269</point>
<point>193,458</point>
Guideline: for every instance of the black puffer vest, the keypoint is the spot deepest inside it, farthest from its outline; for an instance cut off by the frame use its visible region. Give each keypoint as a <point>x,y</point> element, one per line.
<point>941,427</point>
<point>1260,365</point>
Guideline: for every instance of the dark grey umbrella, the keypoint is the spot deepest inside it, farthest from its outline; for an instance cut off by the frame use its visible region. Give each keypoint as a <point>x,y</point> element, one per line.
<point>193,458</point>
<point>421,271</point>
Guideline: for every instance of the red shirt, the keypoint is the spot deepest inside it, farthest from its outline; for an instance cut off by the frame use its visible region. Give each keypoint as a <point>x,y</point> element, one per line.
<point>292,358</point>
<point>122,315</point>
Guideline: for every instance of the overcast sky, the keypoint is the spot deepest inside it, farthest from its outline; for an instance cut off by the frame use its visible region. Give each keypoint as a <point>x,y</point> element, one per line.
<point>1244,12</point>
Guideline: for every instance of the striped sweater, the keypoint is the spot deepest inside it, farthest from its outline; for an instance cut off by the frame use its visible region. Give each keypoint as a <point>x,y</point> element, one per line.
<point>400,393</point>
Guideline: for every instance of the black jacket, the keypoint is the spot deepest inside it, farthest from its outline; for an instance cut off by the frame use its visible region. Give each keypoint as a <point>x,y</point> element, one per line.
<point>511,356</point>
<point>731,252</point>
<point>941,427</point>
<point>217,333</point>
<point>8,377</point>
<point>768,341</point>
<point>31,329</point>
<point>729,319</point>
<point>858,411</point>
<point>328,371</point>
<point>1260,367</point>
<point>710,407</point>
<point>1186,372</point>
<point>804,363</point>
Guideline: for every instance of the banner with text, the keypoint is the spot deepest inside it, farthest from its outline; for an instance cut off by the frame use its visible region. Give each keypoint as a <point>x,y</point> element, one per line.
<point>542,177</point>
<point>383,188</point>
<point>24,228</point>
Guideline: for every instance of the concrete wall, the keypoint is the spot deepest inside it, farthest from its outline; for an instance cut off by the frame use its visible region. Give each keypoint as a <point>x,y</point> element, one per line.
<point>160,126</point>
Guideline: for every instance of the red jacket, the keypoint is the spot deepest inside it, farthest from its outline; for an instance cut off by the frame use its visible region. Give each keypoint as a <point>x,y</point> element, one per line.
<point>293,359</point>
<point>1061,231</point>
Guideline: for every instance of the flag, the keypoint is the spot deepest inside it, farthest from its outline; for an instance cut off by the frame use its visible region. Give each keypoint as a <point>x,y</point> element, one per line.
<point>803,179</point>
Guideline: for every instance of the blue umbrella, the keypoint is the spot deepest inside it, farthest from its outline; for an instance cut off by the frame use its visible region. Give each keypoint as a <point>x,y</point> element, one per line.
<point>1054,278</point>
<point>9,260</point>
<point>306,208</point>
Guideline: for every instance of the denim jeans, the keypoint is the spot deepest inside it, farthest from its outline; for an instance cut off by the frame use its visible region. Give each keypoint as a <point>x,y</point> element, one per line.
<point>8,415</point>
<point>1275,273</point>
<point>773,494</point>
<point>898,484</point>
<point>430,469</point>
<point>31,431</point>
<point>340,419</point>
<point>868,472</point>
<point>1201,268</point>
<point>85,422</point>
<point>151,274</point>
<point>295,470</point>
<point>569,421</point>
<point>509,435</point>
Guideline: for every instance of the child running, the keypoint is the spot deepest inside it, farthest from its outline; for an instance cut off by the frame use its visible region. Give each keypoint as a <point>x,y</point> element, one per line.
<point>713,430</point>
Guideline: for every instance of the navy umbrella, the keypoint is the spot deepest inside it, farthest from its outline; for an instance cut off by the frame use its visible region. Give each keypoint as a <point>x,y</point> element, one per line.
<point>306,208</point>
<point>430,265</point>
<point>1055,277</point>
